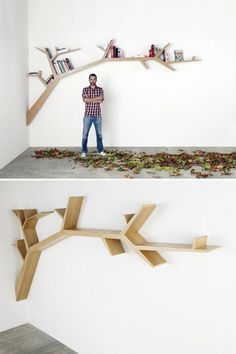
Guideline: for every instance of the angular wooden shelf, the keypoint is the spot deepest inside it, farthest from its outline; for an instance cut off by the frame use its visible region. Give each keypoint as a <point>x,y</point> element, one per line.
<point>30,247</point>
<point>35,108</point>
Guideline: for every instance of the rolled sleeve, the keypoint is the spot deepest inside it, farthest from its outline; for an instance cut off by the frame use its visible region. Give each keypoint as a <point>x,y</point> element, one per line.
<point>84,94</point>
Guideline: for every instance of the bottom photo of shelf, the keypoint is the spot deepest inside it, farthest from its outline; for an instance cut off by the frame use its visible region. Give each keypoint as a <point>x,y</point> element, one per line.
<point>169,250</point>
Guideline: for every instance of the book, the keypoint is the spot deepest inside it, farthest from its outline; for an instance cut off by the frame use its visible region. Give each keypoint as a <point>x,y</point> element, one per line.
<point>33,73</point>
<point>113,51</point>
<point>121,55</point>
<point>165,56</point>
<point>179,55</point>
<point>61,50</point>
<point>51,77</point>
<point>66,65</point>
<point>60,66</point>
<point>152,51</point>
<point>63,66</point>
<point>56,67</point>
<point>117,53</point>
<point>48,52</point>
<point>69,64</point>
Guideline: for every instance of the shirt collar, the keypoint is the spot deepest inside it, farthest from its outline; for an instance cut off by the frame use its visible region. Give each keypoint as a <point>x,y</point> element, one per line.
<point>92,87</point>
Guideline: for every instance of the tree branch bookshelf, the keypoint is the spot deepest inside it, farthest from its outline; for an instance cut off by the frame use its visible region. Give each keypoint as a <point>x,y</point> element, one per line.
<point>30,247</point>
<point>35,108</point>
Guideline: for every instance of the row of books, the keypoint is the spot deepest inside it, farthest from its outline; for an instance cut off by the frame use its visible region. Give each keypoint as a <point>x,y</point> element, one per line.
<point>114,52</point>
<point>153,51</point>
<point>62,66</point>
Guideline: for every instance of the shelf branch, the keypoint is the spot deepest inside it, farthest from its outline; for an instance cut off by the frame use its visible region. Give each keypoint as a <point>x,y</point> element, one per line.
<point>131,236</point>
<point>35,108</point>
<point>106,51</point>
<point>162,50</point>
<point>41,50</point>
<point>31,248</point>
<point>64,52</point>
<point>49,61</point>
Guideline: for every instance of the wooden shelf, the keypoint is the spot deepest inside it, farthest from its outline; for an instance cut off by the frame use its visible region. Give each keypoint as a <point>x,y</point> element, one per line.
<point>30,247</point>
<point>35,108</point>
<point>175,247</point>
<point>63,53</point>
<point>153,258</point>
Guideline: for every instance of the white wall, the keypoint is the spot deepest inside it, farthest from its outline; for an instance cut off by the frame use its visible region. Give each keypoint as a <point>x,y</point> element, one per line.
<point>193,106</point>
<point>14,134</point>
<point>100,304</point>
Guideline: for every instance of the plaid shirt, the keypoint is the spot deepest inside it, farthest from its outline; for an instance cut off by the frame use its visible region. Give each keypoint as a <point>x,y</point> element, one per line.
<point>92,109</point>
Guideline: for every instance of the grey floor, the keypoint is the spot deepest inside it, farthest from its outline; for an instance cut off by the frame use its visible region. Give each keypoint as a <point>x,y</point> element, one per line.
<point>27,339</point>
<point>26,166</point>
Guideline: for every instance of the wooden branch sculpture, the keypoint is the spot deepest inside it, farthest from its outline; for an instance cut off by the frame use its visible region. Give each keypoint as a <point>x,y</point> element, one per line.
<point>30,247</point>
<point>33,111</point>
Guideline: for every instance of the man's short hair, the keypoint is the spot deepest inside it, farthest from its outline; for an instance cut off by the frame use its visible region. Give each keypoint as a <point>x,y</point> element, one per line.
<point>94,75</point>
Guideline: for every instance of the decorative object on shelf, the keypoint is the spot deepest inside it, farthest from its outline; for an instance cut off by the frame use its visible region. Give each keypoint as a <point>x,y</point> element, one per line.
<point>179,55</point>
<point>30,247</point>
<point>63,68</point>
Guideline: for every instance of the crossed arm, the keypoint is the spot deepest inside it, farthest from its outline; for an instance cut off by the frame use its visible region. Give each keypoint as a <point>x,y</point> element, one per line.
<point>97,99</point>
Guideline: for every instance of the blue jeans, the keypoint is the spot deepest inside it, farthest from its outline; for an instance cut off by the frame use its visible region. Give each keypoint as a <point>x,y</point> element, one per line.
<point>88,121</point>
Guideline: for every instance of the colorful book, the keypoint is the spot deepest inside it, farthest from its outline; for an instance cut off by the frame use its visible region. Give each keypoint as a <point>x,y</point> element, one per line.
<point>61,66</point>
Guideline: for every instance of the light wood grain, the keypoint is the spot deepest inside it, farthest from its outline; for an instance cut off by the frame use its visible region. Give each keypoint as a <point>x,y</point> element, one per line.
<point>100,233</point>
<point>31,237</point>
<point>33,111</point>
<point>114,246</point>
<point>31,221</point>
<point>61,211</point>
<point>30,248</point>
<point>49,241</point>
<point>200,242</point>
<point>26,276</point>
<point>153,258</point>
<point>21,248</point>
<point>137,221</point>
<point>72,212</point>
<point>174,247</point>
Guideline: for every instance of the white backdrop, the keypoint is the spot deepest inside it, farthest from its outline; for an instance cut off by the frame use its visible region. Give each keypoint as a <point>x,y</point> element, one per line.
<point>193,106</point>
<point>14,135</point>
<point>100,304</point>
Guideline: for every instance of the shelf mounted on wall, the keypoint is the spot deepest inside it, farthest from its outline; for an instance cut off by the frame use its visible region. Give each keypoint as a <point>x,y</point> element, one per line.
<point>55,77</point>
<point>30,247</point>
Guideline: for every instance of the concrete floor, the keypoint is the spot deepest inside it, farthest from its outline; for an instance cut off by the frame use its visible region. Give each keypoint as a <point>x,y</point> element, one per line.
<point>25,166</point>
<point>26,339</point>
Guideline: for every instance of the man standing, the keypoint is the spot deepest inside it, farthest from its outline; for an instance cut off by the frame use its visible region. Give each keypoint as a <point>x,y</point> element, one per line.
<point>92,97</point>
